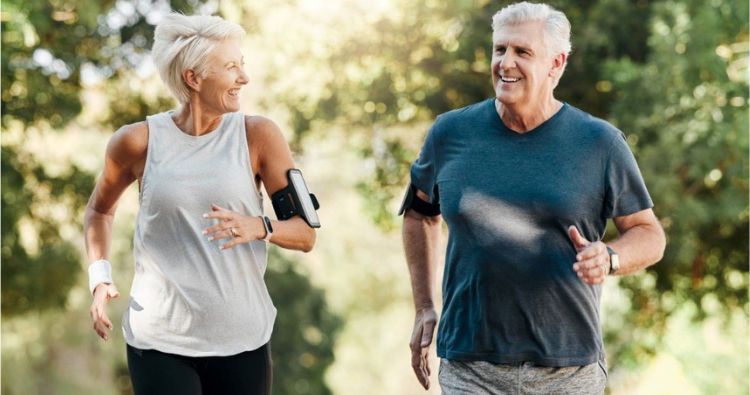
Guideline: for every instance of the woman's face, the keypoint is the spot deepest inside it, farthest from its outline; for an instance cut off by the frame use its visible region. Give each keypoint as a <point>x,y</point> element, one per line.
<point>219,89</point>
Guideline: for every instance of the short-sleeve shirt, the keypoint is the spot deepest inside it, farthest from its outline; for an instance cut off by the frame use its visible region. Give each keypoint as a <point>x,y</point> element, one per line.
<point>510,294</point>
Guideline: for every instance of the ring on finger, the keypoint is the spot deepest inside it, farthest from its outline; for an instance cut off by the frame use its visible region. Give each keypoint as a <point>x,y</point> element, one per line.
<point>231,230</point>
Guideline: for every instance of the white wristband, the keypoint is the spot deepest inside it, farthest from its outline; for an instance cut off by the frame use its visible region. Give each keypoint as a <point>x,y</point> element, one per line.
<point>99,272</point>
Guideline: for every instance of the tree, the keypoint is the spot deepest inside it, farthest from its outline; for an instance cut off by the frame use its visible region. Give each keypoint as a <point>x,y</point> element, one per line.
<point>686,108</point>
<point>304,333</point>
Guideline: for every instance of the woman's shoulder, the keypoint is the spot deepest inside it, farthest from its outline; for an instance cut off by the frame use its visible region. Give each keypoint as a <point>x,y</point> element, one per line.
<point>260,129</point>
<point>260,124</point>
<point>129,141</point>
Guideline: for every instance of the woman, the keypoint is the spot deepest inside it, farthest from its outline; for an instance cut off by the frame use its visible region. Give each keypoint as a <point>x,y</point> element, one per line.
<point>199,318</point>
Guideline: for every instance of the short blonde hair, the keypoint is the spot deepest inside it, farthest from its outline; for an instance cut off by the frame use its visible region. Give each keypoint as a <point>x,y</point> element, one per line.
<point>556,25</point>
<point>183,42</point>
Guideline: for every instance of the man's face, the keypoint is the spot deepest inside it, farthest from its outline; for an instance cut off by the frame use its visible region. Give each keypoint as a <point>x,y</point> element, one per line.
<point>522,69</point>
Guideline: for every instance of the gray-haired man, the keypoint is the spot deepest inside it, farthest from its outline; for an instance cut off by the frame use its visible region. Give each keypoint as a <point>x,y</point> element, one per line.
<point>526,184</point>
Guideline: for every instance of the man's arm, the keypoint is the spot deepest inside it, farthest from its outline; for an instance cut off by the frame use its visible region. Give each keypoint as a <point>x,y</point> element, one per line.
<point>421,235</point>
<point>641,244</point>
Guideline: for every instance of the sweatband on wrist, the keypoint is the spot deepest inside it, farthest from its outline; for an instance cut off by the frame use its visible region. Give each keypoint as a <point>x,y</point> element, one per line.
<point>99,272</point>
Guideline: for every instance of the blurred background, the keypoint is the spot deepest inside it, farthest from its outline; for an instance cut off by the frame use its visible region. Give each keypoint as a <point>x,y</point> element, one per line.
<point>355,84</point>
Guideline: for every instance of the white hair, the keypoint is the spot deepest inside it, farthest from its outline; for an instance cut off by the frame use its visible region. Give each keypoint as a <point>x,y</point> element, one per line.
<point>183,42</point>
<point>556,25</point>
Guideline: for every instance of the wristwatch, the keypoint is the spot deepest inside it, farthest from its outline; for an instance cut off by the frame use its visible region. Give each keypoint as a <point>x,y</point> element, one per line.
<point>614,261</point>
<point>269,228</point>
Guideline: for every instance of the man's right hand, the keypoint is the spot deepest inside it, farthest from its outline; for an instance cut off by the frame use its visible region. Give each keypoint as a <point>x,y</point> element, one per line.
<point>102,294</point>
<point>421,338</point>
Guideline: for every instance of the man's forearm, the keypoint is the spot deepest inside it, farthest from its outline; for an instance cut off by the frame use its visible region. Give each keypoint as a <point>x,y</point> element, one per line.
<point>421,235</point>
<point>639,247</point>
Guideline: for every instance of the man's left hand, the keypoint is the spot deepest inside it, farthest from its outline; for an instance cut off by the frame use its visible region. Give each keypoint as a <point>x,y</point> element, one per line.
<point>592,259</point>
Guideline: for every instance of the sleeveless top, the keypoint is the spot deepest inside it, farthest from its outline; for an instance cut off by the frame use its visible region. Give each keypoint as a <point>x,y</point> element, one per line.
<point>188,297</point>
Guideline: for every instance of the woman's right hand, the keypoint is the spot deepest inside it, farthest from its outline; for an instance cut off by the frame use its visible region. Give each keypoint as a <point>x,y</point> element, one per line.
<point>102,294</point>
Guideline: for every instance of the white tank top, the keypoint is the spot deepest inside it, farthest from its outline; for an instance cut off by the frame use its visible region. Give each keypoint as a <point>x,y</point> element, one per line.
<point>188,297</point>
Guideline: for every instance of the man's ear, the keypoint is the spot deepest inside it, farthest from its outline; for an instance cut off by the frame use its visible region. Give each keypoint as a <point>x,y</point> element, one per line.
<point>558,62</point>
<point>192,79</point>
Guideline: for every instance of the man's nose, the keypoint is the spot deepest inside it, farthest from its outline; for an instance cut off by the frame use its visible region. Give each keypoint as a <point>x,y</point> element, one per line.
<point>507,61</point>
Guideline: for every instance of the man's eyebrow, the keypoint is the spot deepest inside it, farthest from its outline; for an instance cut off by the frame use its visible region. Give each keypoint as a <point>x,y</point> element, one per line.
<point>521,47</point>
<point>526,48</point>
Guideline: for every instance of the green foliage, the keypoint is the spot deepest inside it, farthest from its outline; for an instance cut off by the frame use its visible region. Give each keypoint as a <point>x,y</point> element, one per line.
<point>686,109</point>
<point>38,280</point>
<point>305,330</point>
<point>47,44</point>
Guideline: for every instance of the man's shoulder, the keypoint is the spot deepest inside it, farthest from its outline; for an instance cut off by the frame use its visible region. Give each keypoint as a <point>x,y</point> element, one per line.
<point>449,122</point>
<point>470,111</point>
<point>591,125</point>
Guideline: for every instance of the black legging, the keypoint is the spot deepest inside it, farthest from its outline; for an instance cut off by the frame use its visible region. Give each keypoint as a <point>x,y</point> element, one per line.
<point>153,372</point>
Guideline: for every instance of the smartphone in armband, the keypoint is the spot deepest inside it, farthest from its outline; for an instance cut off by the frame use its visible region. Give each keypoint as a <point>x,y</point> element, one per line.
<point>296,199</point>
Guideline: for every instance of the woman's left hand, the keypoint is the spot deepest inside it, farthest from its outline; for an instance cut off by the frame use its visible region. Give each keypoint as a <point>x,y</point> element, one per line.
<point>240,228</point>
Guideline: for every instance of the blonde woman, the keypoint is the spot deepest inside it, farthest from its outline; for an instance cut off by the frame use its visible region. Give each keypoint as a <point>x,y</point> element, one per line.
<point>199,318</point>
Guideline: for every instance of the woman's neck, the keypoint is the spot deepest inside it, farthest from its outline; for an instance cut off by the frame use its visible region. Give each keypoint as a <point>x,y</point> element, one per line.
<point>193,120</point>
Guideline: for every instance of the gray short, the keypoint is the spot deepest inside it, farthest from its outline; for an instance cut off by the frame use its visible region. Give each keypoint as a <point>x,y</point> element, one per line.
<point>480,377</point>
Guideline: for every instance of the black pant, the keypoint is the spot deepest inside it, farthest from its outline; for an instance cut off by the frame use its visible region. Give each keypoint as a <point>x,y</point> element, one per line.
<point>156,373</point>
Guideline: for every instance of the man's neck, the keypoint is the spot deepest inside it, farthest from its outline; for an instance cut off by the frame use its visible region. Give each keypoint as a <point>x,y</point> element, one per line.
<point>522,118</point>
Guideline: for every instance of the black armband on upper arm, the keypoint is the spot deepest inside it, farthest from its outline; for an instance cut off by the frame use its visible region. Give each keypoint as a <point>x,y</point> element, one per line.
<point>295,199</point>
<point>412,201</point>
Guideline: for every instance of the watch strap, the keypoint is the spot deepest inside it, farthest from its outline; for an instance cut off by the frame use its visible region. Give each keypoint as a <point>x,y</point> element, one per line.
<point>269,228</point>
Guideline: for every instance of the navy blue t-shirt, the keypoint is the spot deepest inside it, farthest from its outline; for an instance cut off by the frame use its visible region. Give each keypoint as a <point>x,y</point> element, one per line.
<point>510,294</point>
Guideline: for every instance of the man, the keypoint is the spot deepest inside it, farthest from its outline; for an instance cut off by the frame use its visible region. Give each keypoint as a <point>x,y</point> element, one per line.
<point>526,184</point>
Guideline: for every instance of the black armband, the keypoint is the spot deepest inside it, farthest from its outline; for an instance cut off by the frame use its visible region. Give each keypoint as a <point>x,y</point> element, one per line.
<point>295,199</point>
<point>412,201</point>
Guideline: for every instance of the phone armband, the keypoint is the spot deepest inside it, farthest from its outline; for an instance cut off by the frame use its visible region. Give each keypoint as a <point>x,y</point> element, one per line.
<point>296,199</point>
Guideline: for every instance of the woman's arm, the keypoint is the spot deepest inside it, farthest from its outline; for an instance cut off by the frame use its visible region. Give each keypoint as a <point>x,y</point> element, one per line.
<point>123,163</point>
<point>274,160</point>
<point>271,158</point>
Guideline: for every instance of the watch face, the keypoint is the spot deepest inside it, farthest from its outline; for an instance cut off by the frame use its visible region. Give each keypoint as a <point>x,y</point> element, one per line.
<point>614,260</point>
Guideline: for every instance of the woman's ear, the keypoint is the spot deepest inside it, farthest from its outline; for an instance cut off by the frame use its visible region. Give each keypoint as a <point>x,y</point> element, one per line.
<point>192,79</point>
